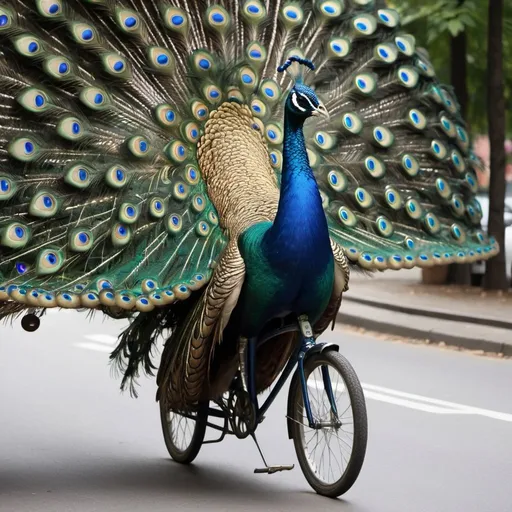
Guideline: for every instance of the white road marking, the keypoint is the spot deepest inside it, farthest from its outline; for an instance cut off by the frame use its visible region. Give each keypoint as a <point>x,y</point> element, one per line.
<point>98,343</point>
<point>427,404</point>
<point>420,402</point>
<point>97,347</point>
<point>102,338</point>
<point>106,343</point>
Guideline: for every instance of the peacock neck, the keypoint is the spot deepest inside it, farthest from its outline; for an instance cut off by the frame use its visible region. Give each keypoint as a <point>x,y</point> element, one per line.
<point>299,231</point>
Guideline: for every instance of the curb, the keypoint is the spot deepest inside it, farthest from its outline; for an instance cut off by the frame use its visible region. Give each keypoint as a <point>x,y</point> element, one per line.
<point>432,313</point>
<point>411,332</point>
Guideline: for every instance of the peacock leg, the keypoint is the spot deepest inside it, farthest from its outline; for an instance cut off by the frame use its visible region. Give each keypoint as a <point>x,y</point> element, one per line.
<point>247,356</point>
<point>242,354</point>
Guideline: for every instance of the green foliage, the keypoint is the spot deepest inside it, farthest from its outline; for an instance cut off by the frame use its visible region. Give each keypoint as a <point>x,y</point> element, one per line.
<point>433,25</point>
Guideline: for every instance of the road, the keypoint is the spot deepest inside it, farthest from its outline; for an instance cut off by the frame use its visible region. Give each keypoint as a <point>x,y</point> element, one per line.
<point>440,433</point>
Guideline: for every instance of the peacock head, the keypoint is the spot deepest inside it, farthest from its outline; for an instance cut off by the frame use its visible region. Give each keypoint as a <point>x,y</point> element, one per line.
<point>302,100</point>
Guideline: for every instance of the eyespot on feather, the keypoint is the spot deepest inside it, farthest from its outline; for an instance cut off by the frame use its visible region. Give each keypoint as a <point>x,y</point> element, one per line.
<point>410,165</point>
<point>375,167</point>
<point>128,213</point>
<point>95,98</point>
<point>49,8</point>
<point>413,209</point>
<point>116,65</point>
<point>161,59</point>
<point>57,67</point>
<point>6,20</point>
<point>408,76</point>
<point>406,44</point>
<point>80,240</point>
<point>363,197</point>
<point>270,91</point>
<point>180,191</point>
<point>120,235</point>
<point>388,17</point>
<point>129,21</point>
<point>254,12</point>
<point>338,47</point>
<point>176,152</point>
<point>432,224</point>
<point>386,52</point>
<point>79,176</point>
<point>14,235</point>
<point>202,228</point>
<point>49,261</point>
<point>292,15</point>
<point>417,119</point>
<point>337,181</point>
<point>438,149</point>
<point>28,46</point>
<point>364,24</point>
<point>330,9</point>
<point>44,205</point>
<point>347,217</point>
<point>202,62</point>
<point>176,20</point>
<point>352,123</point>
<point>83,33</point>
<point>365,83</point>
<point>383,136</point>
<point>116,177</point>
<point>24,149</point>
<point>192,175</point>
<point>157,208</point>
<point>138,146</point>
<point>71,128</point>
<point>8,188</point>
<point>393,198</point>
<point>166,116</point>
<point>199,110</point>
<point>218,19</point>
<point>174,224</point>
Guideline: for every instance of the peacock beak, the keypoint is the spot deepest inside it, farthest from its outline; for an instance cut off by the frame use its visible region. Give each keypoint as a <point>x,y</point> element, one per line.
<point>321,111</point>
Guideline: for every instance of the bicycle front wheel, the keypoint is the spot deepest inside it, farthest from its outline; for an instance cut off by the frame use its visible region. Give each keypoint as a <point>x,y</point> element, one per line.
<point>330,455</point>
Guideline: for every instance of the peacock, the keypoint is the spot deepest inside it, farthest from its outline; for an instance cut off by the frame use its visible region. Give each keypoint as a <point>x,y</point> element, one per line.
<point>206,168</point>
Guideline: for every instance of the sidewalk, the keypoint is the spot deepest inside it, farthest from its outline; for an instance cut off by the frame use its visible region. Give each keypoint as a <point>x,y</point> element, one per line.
<point>397,303</point>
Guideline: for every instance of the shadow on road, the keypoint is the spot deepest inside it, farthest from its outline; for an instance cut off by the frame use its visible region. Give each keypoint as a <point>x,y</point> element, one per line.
<point>154,481</point>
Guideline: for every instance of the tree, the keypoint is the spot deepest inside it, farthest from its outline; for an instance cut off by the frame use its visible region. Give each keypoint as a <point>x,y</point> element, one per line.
<point>495,274</point>
<point>460,274</point>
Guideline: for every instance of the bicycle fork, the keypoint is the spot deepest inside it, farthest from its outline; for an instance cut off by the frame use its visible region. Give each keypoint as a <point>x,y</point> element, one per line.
<point>308,342</point>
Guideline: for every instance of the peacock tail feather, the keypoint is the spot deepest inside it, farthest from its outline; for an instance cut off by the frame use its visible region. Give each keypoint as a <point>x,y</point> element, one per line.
<point>107,199</point>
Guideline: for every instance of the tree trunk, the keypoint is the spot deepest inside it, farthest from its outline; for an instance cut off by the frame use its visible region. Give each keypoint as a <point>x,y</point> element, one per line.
<point>457,273</point>
<point>495,275</point>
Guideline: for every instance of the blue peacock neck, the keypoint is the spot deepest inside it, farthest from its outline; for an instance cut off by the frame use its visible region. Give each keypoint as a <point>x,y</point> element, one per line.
<point>299,232</point>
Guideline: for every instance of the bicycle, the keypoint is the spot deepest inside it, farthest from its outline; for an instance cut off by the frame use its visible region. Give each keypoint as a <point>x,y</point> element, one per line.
<point>240,413</point>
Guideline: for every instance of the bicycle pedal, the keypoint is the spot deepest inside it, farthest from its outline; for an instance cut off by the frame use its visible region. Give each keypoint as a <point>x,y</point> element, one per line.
<point>274,469</point>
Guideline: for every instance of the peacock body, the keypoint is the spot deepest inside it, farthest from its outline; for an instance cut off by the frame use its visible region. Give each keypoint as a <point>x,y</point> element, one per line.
<point>155,164</point>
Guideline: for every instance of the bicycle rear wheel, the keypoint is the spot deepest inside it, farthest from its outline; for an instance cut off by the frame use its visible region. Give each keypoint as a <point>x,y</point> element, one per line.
<point>331,456</point>
<point>184,435</point>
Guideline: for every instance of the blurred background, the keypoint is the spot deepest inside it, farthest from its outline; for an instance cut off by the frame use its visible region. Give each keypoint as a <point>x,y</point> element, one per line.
<point>470,46</point>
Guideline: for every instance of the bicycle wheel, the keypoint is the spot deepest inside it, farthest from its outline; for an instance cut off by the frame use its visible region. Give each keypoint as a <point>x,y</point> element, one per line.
<point>330,456</point>
<point>184,435</point>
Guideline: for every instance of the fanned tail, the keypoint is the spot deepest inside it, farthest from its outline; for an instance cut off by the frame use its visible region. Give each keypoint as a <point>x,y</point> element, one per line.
<point>102,104</point>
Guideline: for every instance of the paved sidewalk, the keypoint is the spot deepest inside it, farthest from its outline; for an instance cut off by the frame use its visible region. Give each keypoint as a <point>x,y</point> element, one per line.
<point>398,303</point>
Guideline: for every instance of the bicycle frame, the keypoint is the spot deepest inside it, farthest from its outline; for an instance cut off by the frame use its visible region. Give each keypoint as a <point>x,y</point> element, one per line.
<point>305,349</point>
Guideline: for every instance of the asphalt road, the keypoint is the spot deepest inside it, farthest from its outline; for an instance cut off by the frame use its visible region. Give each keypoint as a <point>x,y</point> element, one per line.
<point>440,433</point>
